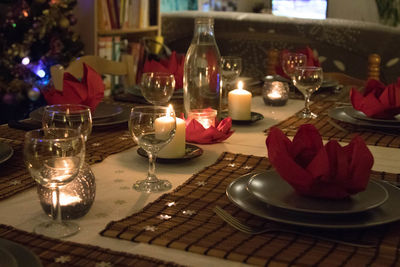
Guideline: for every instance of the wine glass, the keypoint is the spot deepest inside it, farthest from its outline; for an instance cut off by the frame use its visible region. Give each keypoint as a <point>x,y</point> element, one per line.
<point>53,158</point>
<point>308,80</point>
<point>72,116</point>
<point>292,60</point>
<point>157,87</point>
<point>152,127</point>
<point>231,67</point>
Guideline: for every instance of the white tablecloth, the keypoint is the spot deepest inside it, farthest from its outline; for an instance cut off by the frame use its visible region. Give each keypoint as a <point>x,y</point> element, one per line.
<point>115,198</point>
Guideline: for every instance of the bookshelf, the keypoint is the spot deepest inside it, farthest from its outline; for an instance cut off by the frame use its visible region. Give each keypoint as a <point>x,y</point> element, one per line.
<point>90,27</point>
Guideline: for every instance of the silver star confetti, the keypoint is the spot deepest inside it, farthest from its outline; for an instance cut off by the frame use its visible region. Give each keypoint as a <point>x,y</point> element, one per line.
<point>15,182</point>
<point>189,212</point>
<point>62,259</point>
<point>201,183</point>
<point>247,167</point>
<point>170,204</point>
<point>150,228</point>
<point>97,144</point>
<point>231,165</point>
<point>164,217</point>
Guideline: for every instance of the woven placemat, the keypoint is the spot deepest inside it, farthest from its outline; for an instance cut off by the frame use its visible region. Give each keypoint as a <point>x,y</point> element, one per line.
<point>184,219</point>
<point>55,252</point>
<point>331,129</point>
<point>14,177</point>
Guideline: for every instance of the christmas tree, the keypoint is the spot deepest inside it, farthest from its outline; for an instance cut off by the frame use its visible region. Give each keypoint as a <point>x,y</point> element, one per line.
<point>34,35</point>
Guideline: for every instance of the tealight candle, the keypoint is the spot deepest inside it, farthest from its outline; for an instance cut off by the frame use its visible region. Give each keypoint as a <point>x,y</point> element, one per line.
<point>176,148</point>
<point>239,103</point>
<point>205,117</point>
<point>275,93</point>
<point>164,125</point>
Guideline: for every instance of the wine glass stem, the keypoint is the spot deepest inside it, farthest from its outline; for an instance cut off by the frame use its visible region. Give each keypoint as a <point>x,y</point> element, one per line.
<point>151,174</point>
<point>307,102</point>
<point>56,208</point>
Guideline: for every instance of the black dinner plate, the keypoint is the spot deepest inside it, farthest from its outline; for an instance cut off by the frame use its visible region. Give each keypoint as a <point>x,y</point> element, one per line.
<point>254,118</point>
<point>191,152</point>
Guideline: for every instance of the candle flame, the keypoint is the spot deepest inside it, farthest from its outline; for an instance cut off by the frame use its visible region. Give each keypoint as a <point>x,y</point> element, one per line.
<point>170,111</point>
<point>240,85</point>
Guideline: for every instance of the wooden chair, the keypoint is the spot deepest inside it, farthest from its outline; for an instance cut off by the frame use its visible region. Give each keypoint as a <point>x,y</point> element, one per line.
<point>372,70</point>
<point>101,65</point>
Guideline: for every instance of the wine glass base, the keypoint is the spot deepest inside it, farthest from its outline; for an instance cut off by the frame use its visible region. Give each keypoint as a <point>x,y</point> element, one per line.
<point>57,229</point>
<point>307,115</point>
<point>152,187</point>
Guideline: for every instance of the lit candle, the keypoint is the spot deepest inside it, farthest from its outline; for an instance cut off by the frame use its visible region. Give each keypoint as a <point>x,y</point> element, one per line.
<point>239,103</point>
<point>176,148</point>
<point>205,117</point>
<point>164,125</point>
<point>274,95</point>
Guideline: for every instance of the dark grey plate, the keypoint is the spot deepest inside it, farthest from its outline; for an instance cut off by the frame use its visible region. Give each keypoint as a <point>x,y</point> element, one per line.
<point>270,188</point>
<point>386,213</point>
<point>22,255</point>
<point>114,119</point>
<point>192,152</point>
<point>361,116</point>
<point>340,114</point>
<point>254,117</point>
<point>6,152</point>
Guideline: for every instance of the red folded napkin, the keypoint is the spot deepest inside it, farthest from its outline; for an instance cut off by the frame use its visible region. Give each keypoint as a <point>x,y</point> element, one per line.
<point>312,169</point>
<point>172,65</point>
<point>89,91</point>
<point>377,101</point>
<point>196,133</point>
<point>311,60</point>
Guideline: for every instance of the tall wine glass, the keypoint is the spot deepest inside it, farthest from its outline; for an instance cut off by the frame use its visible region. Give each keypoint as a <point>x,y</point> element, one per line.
<point>157,88</point>
<point>292,60</point>
<point>152,127</point>
<point>231,67</point>
<point>307,80</point>
<point>54,157</point>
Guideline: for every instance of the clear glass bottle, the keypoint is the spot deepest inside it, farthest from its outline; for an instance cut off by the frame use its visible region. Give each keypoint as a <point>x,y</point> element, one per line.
<point>202,69</point>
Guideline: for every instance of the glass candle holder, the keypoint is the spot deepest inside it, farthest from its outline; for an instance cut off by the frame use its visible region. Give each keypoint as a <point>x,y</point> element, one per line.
<point>275,93</point>
<point>205,117</point>
<point>76,198</point>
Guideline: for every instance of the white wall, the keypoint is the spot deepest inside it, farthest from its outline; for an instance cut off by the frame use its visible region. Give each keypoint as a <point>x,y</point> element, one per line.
<point>362,10</point>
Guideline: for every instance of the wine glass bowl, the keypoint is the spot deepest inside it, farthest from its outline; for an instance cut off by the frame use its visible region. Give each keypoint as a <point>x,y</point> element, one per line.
<point>157,87</point>
<point>307,80</point>
<point>152,128</point>
<point>72,116</point>
<point>292,60</point>
<point>53,158</point>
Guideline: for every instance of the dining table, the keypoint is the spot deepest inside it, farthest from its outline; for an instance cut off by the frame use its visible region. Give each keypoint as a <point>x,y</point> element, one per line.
<point>179,227</point>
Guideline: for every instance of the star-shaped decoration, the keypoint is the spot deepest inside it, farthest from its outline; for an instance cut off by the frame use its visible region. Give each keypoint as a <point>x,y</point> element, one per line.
<point>97,144</point>
<point>103,264</point>
<point>164,217</point>
<point>119,202</point>
<point>150,228</point>
<point>201,183</point>
<point>247,167</point>
<point>101,215</point>
<point>231,165</point>
<point>62,259</point>
<point>125,187</point>
<point>124,137</point>
<point>170,204</point>
<point>15,182</point>
<point>189,212</point>
<point>229,158</point>
<point>118,180</point>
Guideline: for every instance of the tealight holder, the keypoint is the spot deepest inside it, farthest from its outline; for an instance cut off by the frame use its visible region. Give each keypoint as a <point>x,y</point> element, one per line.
<point>76,198</point>
<point>205,117</point>
<point>275,93</point>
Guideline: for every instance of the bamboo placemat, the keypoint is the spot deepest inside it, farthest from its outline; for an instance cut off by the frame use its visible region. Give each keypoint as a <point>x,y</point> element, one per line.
<point>331,129</point>
<point>184,220</point>
<point>14,177</point>
<point>55,252</point>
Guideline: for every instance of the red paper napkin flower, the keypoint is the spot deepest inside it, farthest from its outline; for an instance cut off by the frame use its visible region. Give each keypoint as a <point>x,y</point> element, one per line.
<point>172,65</point>
<point>312,169</point>
<point>378,101</point>
<point>311,60</point>
<point>89,91</point>
<point>196,133</point>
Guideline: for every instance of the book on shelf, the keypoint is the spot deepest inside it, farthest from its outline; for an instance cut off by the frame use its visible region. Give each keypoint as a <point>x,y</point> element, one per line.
<point>103,15</point>
<point>133,13</point>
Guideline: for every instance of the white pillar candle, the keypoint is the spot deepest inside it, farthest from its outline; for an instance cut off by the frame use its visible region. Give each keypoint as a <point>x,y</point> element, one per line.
<point>163,126</point>
<point>176,148</point>
<point>239,103</point>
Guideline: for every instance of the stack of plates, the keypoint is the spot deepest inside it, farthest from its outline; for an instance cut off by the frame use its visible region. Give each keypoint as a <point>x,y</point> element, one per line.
<point>350,115</point>
<point>106,114</point>
<point>267,195</point>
